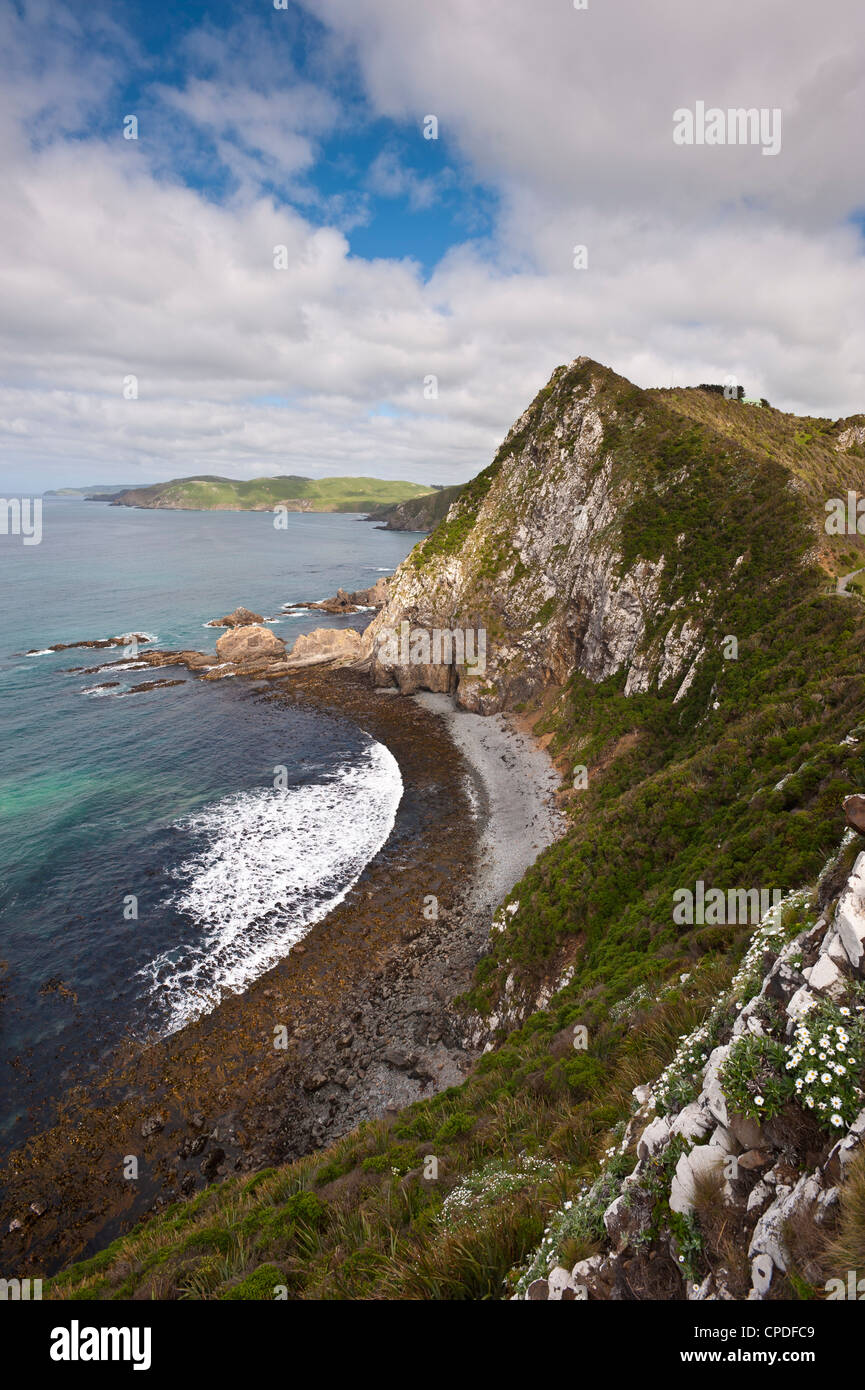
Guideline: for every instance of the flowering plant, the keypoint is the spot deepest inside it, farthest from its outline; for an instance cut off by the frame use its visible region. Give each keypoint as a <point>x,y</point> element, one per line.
<point>824,1061</point>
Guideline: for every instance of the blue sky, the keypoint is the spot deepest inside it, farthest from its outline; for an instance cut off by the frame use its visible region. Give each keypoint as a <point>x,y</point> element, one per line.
<point>406,260</point>
<point>395,193</point>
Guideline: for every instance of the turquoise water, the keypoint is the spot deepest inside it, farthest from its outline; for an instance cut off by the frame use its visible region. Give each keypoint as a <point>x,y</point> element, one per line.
<point>165,797</point>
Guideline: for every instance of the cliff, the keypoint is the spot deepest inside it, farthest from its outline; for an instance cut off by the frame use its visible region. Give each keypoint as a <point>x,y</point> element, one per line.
<point>418,513</point>
<point>616,530</point>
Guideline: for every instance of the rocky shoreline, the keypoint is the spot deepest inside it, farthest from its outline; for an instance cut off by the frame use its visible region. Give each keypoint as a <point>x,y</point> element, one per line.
<point>358,1021</point>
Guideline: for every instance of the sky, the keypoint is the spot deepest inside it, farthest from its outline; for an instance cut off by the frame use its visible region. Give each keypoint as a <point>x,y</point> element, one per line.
<point>283,273</point>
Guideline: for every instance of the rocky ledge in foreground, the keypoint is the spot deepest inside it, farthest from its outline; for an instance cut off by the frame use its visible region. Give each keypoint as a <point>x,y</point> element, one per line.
<point>738,1154</point>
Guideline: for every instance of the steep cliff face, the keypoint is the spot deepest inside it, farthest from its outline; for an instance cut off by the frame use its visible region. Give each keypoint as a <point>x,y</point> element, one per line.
<point>606,536</point>
<point>417,513</point>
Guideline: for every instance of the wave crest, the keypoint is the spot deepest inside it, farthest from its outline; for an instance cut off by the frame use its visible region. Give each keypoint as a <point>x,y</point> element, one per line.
<point>271,864</point>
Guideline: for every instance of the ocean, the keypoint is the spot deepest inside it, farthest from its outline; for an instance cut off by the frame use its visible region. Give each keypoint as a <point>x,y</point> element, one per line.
<point>164,848</point>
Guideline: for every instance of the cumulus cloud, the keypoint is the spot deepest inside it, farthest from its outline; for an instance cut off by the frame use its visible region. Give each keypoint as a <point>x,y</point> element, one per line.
<point>701,261</point>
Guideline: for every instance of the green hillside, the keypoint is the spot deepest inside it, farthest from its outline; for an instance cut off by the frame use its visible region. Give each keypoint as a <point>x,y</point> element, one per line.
<point>206,492</point>
<point>734,776</point>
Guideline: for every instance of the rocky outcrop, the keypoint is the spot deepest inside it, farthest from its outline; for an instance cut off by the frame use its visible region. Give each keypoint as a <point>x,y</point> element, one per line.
<point>241,617</point>
<point>250,644</point>
<point>332,644</point>
<point>252,650</point>
<point>344,602</point>
<point>769,1176</point>
<point>131,639</point>
<point>535,554</point>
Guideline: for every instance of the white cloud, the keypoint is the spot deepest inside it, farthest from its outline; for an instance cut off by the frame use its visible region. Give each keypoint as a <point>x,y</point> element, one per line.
<point>701,261</point>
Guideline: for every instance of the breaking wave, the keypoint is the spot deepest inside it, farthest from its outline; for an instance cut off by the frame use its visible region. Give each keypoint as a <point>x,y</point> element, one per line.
<point>268,865</point>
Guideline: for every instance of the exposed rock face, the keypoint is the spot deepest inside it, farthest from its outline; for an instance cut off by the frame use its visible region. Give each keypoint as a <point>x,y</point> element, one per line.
<point>252,643</point>
<point>854,809</point>
<point>418,513</point>
<point>532,553</point>
<point>373,597</point>
<point>342,602</point>
<point>241,617</point>
<point>757,1173</point>
<point>326,644</point>
<point>850,917</point>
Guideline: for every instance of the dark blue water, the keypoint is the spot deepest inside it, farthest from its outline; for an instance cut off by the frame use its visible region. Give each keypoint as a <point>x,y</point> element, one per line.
<point>152,857</point>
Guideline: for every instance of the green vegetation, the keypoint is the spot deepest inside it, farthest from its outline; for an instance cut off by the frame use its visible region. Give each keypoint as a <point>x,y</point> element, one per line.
<point>450,535</point>
<point>739,784</point>
<point>753,1079</point>
<point>419,513</point>
<point>207,493</point>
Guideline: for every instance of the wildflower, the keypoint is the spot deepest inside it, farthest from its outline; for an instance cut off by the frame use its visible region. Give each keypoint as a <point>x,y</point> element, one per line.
<point>836,1120</point>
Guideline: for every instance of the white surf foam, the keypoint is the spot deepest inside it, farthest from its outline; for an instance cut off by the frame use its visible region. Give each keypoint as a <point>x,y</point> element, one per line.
<point>293,853</point>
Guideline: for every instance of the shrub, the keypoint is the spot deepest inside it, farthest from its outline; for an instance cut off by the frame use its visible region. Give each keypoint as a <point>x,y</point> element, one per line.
<point>258,1285</point>
<point>306,1209</point>
<point>459,1123</point>
<point>752,1077</point>
<point>824,1061</point>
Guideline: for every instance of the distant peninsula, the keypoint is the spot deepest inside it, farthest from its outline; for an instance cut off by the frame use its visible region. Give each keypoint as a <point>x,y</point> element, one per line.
<point>98,492</point>
<point>207,493</point>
